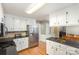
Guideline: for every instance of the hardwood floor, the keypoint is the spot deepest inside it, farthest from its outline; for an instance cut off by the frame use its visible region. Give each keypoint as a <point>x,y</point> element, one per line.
<point>39,50</point>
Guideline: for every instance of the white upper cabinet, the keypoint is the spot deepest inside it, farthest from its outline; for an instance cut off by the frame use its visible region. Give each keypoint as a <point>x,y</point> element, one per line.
<point>21,43</point>
<point>1,13</point>
<point>58,18</point>
<point>24,25</point>
<point>52,20</point>
<point>20,24</point>
<point>66,17</point>
<point>9,23</point>
<point>14,23</point>
<point>61,18</point>
<point>73,15</point>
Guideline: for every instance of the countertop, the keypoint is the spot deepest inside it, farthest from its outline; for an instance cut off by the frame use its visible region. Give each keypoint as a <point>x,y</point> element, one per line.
<point>65,42</point>
<point>10,38</point>
<point>6,37</point>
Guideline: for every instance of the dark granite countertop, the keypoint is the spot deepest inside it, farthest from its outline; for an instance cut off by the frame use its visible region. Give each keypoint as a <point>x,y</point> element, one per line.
<point>7,38</point>
<point>65,42</point>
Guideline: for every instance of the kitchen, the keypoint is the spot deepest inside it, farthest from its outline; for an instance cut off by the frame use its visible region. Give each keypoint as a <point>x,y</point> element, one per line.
<point>52,30</point>
<point>17,33</point>
<point>65,32</point>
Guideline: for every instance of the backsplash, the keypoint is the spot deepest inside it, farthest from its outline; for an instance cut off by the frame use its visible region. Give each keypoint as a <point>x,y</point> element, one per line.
<point>72,30</point>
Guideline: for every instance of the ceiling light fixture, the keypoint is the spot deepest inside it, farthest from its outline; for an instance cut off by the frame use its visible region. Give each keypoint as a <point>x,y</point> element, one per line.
<point>34,7</point>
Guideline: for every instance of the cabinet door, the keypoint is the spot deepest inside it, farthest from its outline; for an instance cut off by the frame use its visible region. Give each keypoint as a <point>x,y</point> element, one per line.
<point>49,48</point>
<point>60,51</point>
<point>54,48</point>
<point>70,17</point>
<point>18,44</point>
<point>61,18</point>
<point>24,43</point>
<point>58,18</point>
<point>23,25</point>
<point>71,50</point>
<point>21,43</point>
<point>16,24</point>
<point>9,22</point>
<point>52,20</point>
<point>77,51</point>
<point>73,15</point>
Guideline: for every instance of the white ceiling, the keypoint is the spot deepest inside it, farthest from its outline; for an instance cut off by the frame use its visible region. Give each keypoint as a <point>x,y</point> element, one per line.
<point>42,13</point>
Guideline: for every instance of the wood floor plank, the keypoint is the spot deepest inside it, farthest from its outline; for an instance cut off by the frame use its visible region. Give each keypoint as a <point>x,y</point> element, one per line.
<point>39,50</point>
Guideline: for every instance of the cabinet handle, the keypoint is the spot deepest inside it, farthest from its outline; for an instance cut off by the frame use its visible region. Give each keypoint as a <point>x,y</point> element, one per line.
<point>66,21</point>
<point>66,52</point>
<point>56,49</point>
<point>77,52</point>
<point>66,12</point>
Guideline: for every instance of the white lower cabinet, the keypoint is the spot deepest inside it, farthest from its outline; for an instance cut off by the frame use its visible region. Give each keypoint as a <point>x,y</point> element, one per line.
<point>60,51</point>
<point>54,48</point>
<point>17,44</point>
<point>49,48</point>
<point>72,51</point>
<point>21,43</point>
<point>24,43</point>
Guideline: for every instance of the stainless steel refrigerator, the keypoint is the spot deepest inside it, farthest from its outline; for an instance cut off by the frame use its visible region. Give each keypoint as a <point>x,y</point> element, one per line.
<point>33,35</point>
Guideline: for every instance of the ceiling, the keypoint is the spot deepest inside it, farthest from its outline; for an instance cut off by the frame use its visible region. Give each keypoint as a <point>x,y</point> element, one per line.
<point>41,14</point>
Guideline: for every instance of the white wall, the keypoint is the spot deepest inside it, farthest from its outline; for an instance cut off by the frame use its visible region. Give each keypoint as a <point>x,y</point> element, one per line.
<point>72,30</point>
